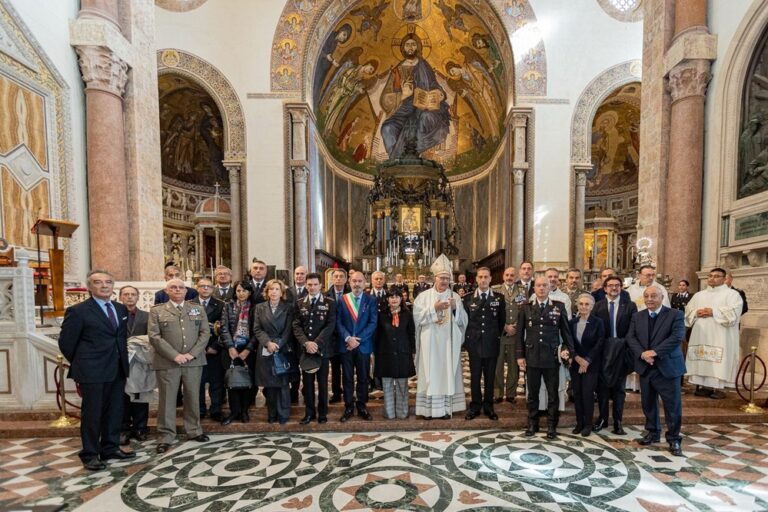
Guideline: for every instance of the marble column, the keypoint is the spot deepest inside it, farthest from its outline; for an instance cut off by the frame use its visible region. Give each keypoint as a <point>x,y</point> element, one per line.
<point>200,236</point>
<point>217,245</point>
<point>579,206</point>
<point>687,84</point>
<point>300,216</point>
<point>516,245</point>
<point>234,169</point>
<point>105,76</point>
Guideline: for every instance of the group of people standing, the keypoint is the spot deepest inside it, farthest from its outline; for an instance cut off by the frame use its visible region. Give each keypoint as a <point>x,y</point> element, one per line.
<point>289,337</point>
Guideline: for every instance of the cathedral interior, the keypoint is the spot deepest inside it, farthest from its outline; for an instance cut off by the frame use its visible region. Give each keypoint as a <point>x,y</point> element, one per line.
<point>376,135</point>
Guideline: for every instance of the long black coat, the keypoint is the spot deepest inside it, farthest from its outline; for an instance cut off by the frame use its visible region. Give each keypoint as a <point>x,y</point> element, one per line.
<point>96,351</point>
<point>590,347</point>
<point>395,347</point>
<point>278,328</point>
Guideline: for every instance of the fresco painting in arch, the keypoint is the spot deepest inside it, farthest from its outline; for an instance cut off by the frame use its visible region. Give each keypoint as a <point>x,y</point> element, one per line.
<point>392,69</point>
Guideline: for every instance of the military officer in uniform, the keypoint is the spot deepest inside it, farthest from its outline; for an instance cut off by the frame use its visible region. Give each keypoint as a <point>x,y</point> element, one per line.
<point>462,287</point>
<point>313,326</point>
<point>487,317</point>
<point>421,286</point>
<point>507,354</point>
<point>542,323</point>
<point>573,288</point>
<point>178,331</point>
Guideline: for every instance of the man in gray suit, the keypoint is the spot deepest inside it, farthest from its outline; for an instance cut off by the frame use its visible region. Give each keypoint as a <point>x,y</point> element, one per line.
<point>135,412</point>
<point>507,352</point>
<point>179,332</point>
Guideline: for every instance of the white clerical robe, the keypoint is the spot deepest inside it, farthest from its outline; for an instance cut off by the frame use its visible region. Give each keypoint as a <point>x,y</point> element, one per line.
<point>713,350</point>
<point>440,385</point>
<point>636,295</point>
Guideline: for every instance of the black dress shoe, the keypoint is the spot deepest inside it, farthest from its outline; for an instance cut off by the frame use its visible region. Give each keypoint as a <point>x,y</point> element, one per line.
<point>445,417</point>
<point>322,419</point>
<point>471,415</point>
<point>717,395</point>
<point>363,413</point>
<point>227,419</point>
<point>492,415</point>
<point>163,447</point>
<point>202,438</point>
<point>617,429</point>
<point>125,438</point>
<point>216,416</point>
<point>676,449</point>
<point>577,429</point>
<point>335,399</point>
<point>119,455</point>
<point>551,434</point>
<point>648,439</point>
<point>586,431</point>
<point>141,435</point>
<point>94,464</point>
<point>531,430</point>
<point>701,391</point>
<point>306,419</point>
<point>347,414</point>
<point>600,425</point>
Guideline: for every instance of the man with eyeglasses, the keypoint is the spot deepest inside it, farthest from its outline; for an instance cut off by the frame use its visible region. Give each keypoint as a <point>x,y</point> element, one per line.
<point>213,371</point>
<point>713,351</point>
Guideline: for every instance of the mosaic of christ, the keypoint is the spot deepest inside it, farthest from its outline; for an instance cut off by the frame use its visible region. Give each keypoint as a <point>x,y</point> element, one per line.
<point>395,75</point>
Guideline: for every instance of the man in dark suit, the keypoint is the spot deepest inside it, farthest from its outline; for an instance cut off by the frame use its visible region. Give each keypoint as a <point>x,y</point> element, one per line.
<point>223,290</point>
<point>616,313</point>
<point>313,326</point>
<point>525,283</point>
<point>421,286</point>
<point>599,294</point>
<point>93,338</point>
<point>299,289</point>
<point>487,316</point>
<point>173,272</point>
<point>356,318</point>
<point>213,371</point>
<point>257,276</point>
<point>655,336</point>
<point>543,327</point>
<point>462,287</point>
<point>135,413</point>
<point>337,290</point>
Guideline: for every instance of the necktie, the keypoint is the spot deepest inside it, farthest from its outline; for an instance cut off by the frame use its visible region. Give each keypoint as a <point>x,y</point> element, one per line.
<point>653,315</point>
<point>180,308</point>
<point>338,296</point>
<point>205,304</point>
<point>314,301</point>
<point>612,317</point>
<point>111,315</point>
<point>357,300</point>
<point>484,296</point>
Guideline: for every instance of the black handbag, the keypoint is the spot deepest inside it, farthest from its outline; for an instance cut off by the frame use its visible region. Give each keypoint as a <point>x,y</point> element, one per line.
<point>237,377</point>
<point>280,364</point>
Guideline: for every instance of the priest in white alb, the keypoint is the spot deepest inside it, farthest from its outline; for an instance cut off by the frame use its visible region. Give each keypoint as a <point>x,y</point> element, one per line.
<point>713,350</point>
<point>440,323</point>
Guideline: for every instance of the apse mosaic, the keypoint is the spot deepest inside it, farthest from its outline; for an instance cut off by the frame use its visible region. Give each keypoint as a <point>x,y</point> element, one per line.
<point>616,143</point>
<point>394,71</point>
<point>191,134</point>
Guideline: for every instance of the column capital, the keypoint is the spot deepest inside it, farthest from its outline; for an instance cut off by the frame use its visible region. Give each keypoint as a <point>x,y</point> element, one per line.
<point>518,176</point>
<point>233,166</point>
<point>581,172</point>
<point>520,119</point>
<point>689,79</point>
<point>300,174</point>
<point>102,69</point>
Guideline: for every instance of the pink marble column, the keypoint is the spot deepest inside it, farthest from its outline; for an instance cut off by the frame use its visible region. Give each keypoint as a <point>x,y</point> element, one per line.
<point>105,77</point>
<point>687,85</point>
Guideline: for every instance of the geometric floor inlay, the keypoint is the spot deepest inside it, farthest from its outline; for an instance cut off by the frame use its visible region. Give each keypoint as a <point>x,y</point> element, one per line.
<point>725,468</point>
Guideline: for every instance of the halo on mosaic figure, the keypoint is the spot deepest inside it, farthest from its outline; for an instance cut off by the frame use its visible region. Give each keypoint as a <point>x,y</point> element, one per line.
<point>393,488</point>
<point>569,467</point>
<point>268,465</point>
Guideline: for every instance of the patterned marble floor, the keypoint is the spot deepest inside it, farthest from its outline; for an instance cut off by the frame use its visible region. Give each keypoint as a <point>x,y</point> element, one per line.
<point>725,468</point>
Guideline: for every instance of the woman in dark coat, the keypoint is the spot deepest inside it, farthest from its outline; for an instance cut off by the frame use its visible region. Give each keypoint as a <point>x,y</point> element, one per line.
<point>395,347</point>
<point>237,337</point>
<point>273,332</point>
<point>588,336</point>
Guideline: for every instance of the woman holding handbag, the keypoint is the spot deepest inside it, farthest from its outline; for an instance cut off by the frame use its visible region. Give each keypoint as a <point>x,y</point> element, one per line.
<point>276,360</point>
<point>236,336</point>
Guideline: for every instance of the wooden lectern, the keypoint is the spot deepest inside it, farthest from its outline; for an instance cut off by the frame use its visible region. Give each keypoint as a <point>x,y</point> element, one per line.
<point>57,229</point>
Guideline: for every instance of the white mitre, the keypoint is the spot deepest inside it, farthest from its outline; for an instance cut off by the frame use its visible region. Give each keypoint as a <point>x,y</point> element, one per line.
<point>442,265</point>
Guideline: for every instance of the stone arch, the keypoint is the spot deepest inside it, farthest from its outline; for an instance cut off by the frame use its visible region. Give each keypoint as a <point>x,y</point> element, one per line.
<point>221,90</point>
<point>304,23</point>
<point>589,101</point>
